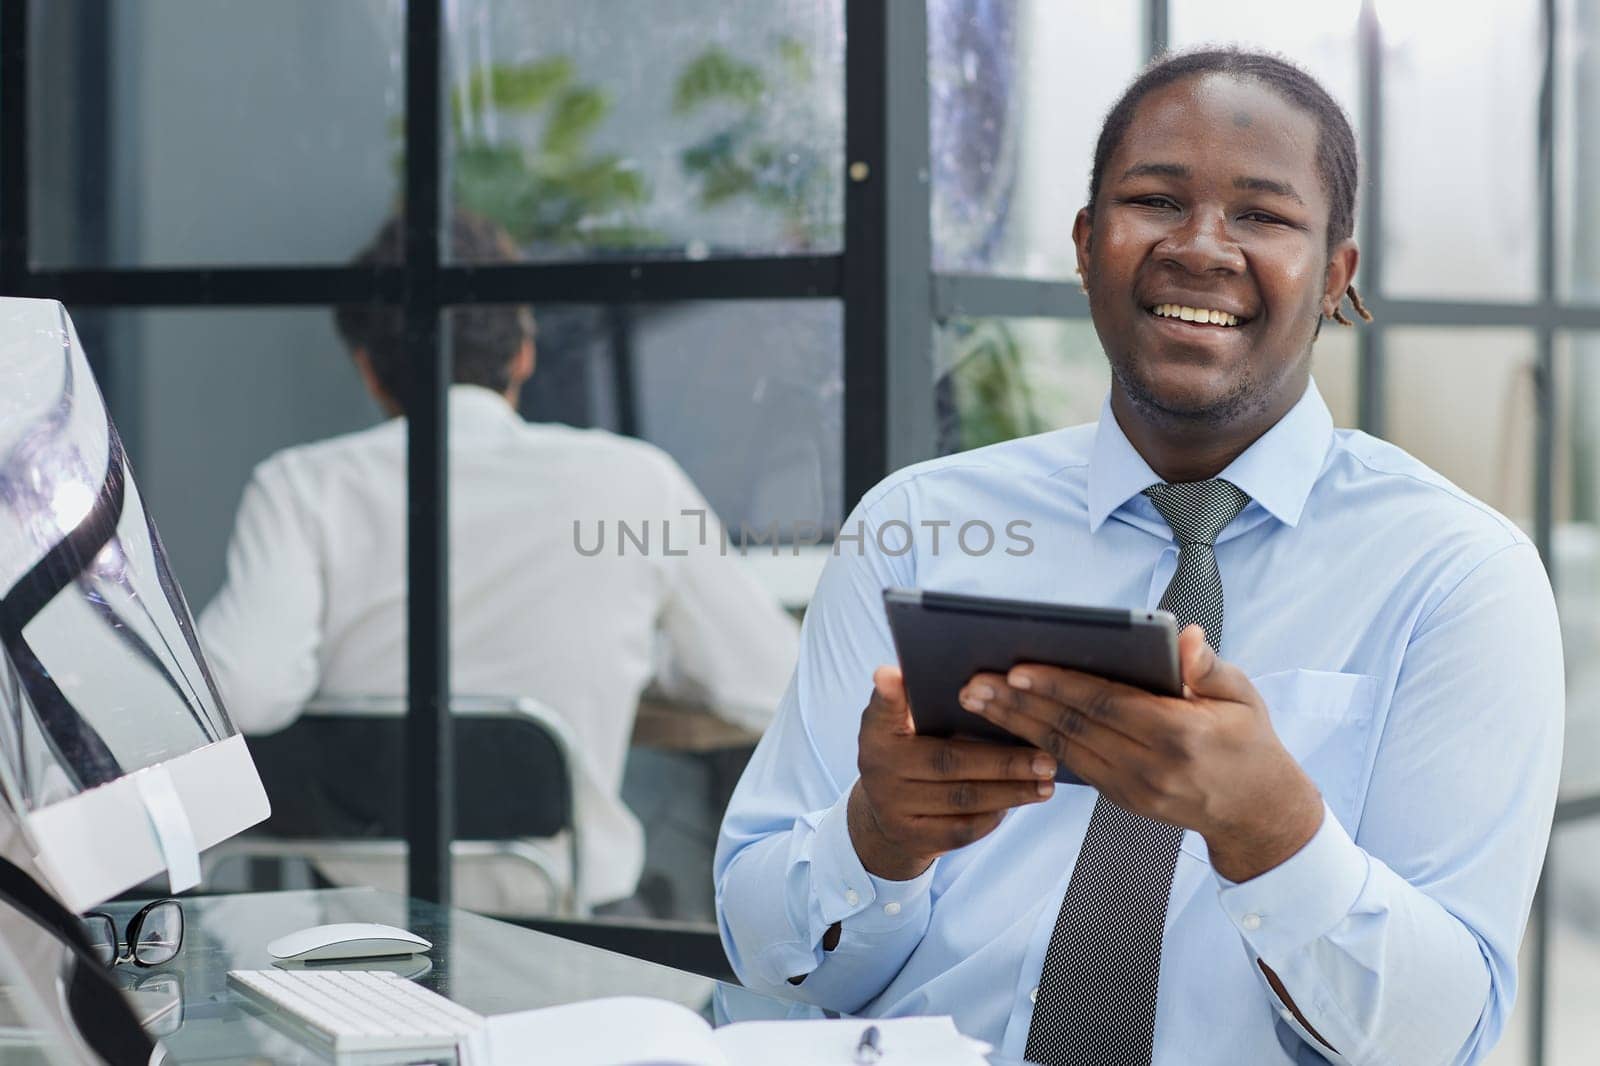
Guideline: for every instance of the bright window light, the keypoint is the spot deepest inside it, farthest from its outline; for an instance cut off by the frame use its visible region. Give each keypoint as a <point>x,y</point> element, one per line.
<point>1273,20</point>
<point>1445,25</point>
<point>71,504</point>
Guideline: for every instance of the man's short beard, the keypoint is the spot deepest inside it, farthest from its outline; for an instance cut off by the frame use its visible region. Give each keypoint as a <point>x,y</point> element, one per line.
<point>1246,398</point>
<point>1243,399</point>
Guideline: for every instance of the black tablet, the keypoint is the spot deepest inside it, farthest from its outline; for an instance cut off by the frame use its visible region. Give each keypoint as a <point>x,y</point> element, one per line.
<point>944,638</point>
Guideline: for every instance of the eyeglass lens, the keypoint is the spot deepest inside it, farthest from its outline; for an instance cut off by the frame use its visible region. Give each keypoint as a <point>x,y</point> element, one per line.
<point>154,935</point>
<point>160,934</point>
<point>102,932</point>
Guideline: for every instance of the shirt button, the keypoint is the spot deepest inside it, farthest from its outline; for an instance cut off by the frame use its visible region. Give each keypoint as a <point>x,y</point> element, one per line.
<point>891,909</point>
<point>852,898</point>
<point>1251,921</point>
<point>1033,994</point>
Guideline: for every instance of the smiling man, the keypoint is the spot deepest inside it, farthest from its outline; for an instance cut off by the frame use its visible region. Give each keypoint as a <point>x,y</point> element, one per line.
<point>1325,850</point>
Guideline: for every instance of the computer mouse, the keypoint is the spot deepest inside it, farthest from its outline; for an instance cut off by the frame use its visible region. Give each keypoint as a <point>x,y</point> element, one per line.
<point>411,967</point>
<point>346,940</point>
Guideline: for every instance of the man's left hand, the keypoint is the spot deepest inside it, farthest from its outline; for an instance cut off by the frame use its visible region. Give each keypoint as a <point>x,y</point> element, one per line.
<point>1208,761</point>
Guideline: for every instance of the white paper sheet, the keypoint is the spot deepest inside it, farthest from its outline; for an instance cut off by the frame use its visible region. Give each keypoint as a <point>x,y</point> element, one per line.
<point>600,1032</point>
<point>903,1041</point>
<point>638,1031</point>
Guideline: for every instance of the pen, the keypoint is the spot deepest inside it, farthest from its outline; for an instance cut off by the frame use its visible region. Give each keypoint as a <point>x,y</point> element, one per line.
<point>868,1049</point>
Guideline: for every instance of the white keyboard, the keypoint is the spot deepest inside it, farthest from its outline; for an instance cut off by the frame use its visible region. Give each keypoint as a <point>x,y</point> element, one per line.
<point>356,1011</point>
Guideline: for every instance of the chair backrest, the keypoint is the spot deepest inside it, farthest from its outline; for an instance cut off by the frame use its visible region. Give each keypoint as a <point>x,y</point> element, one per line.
<point>334,775</point>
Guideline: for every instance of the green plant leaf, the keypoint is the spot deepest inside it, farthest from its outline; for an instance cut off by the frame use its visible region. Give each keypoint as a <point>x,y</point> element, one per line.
<point>556,195</point>
<point>724,181</point>
<point>575,116</point>
<point>993,396</point>
<point>719,148</point>
<point>513,87</point>
<point>523,86</point>
<point>619,236</point>
<point>602,184</point>
<point>492,180</point>
<point>716,75</point>
<point>750,156</point>
<point>796,59</point>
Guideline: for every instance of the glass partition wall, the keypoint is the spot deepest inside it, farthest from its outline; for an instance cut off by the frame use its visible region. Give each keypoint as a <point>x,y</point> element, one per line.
<point>846,221</point>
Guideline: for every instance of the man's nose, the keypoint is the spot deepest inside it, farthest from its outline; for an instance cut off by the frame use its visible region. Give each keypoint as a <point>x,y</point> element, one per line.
<point>1201,244</point>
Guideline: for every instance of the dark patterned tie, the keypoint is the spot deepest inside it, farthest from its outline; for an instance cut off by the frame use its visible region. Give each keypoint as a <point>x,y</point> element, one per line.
<point>1097,995</point>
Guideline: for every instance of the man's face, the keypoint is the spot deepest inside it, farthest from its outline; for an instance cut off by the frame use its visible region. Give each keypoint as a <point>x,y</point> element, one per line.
<point>1211,203</point>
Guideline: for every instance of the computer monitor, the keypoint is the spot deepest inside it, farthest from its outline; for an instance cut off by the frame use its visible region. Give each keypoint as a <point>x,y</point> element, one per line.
<point>116,755</point>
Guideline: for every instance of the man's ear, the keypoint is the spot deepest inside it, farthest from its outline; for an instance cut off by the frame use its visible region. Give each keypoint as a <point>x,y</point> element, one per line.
<point>1342,262</point>
<point>363,361</point>
<point>523,362</point>
<point>1082,227</point>
<point>369,377</point>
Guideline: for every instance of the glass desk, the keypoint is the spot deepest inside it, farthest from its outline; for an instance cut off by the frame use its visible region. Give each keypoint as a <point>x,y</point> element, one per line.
<point>487,966</point>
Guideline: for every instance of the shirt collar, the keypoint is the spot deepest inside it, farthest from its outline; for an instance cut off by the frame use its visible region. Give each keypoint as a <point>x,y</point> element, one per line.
<point>1277,471</point>
<point>479,401</point>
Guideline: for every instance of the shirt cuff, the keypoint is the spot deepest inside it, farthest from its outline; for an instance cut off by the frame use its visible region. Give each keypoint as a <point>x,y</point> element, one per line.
<point>1301,899</point>
<point>845,891</point>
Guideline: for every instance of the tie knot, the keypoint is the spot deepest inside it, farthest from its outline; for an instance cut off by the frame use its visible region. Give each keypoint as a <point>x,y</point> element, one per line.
<point>1198,510</point>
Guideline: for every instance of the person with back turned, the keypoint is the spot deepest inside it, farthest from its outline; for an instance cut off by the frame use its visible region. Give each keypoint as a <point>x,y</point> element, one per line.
<point>314,601</point>
<point>1326,849</point>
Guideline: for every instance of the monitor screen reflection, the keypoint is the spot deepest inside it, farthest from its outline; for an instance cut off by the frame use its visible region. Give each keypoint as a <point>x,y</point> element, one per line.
<point>101,673</point>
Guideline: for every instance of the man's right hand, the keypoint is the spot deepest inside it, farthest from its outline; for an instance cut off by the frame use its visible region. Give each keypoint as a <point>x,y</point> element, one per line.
<point>919,797</point>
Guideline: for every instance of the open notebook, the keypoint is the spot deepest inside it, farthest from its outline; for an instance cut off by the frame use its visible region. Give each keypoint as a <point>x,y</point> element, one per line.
<point>653,1032</point>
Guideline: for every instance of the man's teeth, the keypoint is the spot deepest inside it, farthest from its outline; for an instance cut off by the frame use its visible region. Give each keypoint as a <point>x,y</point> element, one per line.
<point>1195,314</point>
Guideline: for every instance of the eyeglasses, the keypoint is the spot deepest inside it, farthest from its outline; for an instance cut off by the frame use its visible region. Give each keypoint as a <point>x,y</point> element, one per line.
<point>157,999</point>
<point>154,935</point>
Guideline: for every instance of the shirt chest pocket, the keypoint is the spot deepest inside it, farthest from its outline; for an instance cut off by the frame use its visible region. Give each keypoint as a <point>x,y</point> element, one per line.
<point>1324,719</point>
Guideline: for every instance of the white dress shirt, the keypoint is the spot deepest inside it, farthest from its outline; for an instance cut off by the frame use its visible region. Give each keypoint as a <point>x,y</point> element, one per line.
<point>1404,639</point>
<point>314,603</point>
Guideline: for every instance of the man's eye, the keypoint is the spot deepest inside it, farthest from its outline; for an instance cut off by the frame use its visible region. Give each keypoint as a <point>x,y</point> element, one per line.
<point>1154,201</point>
<point>1262,216</point>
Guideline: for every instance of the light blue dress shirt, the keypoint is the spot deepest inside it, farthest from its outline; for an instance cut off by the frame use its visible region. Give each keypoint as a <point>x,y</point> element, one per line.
<point>1404,638</point>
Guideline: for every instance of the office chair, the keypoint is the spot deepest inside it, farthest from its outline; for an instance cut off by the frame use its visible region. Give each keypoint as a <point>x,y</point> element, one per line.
<point>337,788</point>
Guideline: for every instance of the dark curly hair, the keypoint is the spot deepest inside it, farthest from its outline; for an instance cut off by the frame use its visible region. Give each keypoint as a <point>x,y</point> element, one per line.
<point>485,338</point>
<point>1337,161</point>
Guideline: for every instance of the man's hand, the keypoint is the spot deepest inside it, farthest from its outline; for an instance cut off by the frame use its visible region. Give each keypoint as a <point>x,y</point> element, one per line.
<point>919,797</point>
<point>1209,761</point>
